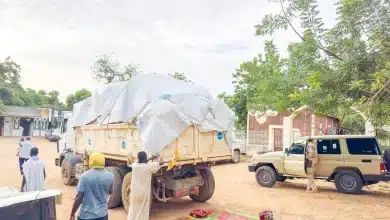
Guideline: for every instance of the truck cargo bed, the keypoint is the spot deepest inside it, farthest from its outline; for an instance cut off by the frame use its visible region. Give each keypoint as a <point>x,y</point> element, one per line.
<point>122,142</point>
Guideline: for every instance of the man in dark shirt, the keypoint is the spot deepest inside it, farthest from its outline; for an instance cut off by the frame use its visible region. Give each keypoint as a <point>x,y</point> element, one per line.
<point>25,124</point>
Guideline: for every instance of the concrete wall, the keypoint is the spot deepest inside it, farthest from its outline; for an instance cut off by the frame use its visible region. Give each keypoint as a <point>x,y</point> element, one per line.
<point>279,127</point>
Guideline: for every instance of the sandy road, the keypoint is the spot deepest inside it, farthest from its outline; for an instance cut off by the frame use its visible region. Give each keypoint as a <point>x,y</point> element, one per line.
<point>236,189</point>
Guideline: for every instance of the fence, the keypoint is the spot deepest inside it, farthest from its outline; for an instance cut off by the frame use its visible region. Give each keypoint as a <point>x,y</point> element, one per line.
<point>252,142</point>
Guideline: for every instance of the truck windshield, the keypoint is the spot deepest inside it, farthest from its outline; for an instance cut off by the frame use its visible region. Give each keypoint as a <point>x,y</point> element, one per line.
<point>363,146</point>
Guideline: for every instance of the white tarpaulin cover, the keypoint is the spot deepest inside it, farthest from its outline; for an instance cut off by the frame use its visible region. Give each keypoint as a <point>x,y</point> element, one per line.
<point>162,106</point>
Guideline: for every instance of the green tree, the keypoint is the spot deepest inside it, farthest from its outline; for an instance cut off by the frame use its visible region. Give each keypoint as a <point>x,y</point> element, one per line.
<point>329,70</point>
<point>77,97</point>
<point>9,71</point>
<point>108,70</point>
<point>238,103</point>
<point>180,76</point>
<point>12,93</point>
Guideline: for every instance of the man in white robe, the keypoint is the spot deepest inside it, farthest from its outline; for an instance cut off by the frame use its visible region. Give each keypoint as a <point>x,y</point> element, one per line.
<point>141,186</point>
<point>34,173</point>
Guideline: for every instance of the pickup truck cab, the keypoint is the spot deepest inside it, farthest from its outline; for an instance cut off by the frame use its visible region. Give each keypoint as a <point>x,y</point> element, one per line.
<point>350,161</point>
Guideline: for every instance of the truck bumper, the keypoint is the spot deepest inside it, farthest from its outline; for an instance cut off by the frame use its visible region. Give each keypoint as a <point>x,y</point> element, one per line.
<point>384,178</point>
<point>252,168</point>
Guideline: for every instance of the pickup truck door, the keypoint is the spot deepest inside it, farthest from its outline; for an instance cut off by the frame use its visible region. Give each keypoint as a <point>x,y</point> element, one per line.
<point>294,160</point>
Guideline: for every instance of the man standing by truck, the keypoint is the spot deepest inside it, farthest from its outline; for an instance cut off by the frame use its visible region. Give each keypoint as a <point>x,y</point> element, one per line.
<point>92,190</point>
<point>34,173</point>
<point>141,185</point>
<point>311,165</point>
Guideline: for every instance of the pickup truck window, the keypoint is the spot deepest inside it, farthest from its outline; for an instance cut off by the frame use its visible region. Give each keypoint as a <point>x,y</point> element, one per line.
<point>296,149</point>
<point>328,147</point>
<point>363,146</point>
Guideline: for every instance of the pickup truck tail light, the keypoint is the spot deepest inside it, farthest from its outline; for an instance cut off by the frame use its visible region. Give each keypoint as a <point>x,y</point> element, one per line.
<point>382,168</point>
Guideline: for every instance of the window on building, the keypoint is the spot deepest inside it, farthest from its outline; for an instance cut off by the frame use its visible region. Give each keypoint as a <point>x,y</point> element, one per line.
<point>297,149</point>
<point>44,125</point>
<point>37,124</point>
<point>16,123</point>
<point>363,146</point>
<point>328,147</point>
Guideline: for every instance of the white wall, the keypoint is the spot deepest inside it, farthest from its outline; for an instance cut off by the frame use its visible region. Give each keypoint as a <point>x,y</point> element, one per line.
<point>9,128</point>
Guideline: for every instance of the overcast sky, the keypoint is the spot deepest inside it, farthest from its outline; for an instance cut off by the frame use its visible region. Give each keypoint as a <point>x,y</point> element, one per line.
<point>56,41</point>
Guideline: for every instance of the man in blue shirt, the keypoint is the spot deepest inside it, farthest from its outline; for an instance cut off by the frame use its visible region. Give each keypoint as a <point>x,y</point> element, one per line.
<point>92,191</point>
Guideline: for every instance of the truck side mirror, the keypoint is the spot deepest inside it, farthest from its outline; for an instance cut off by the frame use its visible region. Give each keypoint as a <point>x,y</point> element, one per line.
<point>286,151</point>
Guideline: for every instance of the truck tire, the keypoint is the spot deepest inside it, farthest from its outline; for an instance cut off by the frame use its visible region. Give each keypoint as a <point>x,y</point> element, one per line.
<point>207,190</point>
<point>348,182</point>
<point>115,199</point>
<point>266,176</point>
<point>126,191</point>
<point>123,170</point>
<point>236,156</point>
<point>67,169</point>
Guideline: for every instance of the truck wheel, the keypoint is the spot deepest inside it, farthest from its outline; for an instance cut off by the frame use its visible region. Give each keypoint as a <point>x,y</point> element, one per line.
<point>266,176</point>
<point>236,156</point>
<point>66,173</point>
<point>115,198</point>
<point>123,170</point>
<point>67,170</point>
<point>207,190</point>
<point>348,182</point>
<point>126,191</point>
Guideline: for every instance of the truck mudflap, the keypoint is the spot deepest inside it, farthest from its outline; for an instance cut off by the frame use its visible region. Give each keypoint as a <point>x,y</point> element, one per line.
<point>252,168</point>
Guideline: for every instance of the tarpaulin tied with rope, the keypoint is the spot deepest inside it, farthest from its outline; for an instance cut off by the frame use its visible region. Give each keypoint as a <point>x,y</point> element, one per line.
<point>161,107</point>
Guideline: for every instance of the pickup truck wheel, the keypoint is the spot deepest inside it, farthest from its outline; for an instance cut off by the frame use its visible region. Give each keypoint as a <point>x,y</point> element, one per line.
<point>348,182</point>
<point>207,190</point>
<point>236,156</point>
<point>115,199</point>
<point>266,176</point>
<point>126,191</point>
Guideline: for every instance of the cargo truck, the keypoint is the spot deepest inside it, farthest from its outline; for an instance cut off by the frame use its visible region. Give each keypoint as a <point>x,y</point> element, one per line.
<point>191,152</point>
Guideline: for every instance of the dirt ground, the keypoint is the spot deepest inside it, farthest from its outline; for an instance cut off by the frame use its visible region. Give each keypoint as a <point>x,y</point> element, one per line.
<point>236,189</point>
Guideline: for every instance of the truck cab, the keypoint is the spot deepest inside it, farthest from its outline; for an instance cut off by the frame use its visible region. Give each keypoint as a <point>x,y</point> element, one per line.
<point>65,133</point>
<point>351,161</point>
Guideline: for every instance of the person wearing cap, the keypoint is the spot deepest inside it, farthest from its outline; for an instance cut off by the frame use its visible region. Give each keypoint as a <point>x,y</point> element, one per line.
<point>25,147</point>
<point>34,173</point>
<point>141,185</point>
<point>92,190</point>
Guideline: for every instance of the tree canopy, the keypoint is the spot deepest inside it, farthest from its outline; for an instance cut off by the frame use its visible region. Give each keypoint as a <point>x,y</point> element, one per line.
<point>77,97</point>
<point>180,76</point>
<point>329,70</point>
<point>108,70</point>
<point>12,93</point>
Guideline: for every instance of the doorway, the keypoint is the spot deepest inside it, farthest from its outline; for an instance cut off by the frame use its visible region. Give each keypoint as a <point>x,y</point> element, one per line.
<point>278,139</point>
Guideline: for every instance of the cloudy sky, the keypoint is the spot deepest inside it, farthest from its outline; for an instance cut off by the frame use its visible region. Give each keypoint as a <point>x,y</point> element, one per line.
<point>57,41</point>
